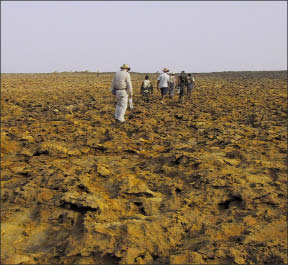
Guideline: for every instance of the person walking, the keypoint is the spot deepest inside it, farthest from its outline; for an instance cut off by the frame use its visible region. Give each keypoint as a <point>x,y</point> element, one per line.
<point>172,85</point>
<point>182,81</point>
<point>121,86</point>
<point>190,85</point>
<point>163,83</point>
<point>146,89</point>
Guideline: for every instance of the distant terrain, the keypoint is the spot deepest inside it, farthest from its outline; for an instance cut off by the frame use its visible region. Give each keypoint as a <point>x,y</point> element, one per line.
<point>200,183</point>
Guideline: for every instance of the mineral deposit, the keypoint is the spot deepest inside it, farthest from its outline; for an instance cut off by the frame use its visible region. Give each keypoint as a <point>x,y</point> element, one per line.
<point>200,183</point>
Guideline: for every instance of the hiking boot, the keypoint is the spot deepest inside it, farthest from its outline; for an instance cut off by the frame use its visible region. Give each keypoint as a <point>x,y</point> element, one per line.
<point>118,121</point>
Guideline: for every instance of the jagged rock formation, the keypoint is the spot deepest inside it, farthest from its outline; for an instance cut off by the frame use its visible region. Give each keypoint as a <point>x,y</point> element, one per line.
<point>201,183</point>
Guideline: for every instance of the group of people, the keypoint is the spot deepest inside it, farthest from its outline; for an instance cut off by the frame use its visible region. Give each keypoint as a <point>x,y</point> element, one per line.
<point>121,87</point>
<point>168,83</point>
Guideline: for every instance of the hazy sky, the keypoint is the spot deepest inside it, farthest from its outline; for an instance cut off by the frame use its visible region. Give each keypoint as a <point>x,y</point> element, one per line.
<point>192,36</point>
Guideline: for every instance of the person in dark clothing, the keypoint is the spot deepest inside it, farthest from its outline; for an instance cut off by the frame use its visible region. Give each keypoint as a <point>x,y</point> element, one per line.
<point>183,82</point>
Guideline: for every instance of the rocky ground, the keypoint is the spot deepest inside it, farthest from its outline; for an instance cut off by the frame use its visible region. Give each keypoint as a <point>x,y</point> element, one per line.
<point>201,183</point>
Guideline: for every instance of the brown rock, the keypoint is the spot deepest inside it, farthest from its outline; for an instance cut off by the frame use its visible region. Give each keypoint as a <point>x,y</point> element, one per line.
<point>187,258</point>
<point>103,171</point>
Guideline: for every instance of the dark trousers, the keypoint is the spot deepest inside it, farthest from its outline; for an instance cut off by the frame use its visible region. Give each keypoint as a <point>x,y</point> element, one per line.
<point>182,92</point>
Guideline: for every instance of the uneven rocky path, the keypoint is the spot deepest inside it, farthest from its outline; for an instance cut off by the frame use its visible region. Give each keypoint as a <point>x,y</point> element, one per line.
<point>201,183</point>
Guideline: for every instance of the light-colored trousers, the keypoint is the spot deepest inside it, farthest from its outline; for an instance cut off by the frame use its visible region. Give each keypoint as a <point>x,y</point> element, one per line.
<point>121,100</point>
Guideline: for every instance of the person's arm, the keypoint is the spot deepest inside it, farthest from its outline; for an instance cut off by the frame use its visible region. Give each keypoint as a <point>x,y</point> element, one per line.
<point>129,86</point>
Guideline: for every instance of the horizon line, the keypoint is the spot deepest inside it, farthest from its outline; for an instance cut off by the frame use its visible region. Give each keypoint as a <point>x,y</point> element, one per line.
<point>157,72</point>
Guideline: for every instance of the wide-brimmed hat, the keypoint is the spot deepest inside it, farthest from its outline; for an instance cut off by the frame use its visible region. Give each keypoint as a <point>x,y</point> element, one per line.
<point>125,66</point>
<point>165,70</point>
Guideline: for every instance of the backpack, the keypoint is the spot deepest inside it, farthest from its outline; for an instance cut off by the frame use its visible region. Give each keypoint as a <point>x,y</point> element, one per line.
<point>183,79</point>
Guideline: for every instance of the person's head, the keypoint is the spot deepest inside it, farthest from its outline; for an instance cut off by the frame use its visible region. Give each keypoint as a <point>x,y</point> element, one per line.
<point>165,70</point>
<point>189,74</point>
<point>125,67</point>
<point>146,77</point>
<point>182,72</point>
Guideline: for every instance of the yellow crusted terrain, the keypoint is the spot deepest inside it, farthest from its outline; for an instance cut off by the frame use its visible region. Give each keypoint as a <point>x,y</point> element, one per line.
<point>201,183</point>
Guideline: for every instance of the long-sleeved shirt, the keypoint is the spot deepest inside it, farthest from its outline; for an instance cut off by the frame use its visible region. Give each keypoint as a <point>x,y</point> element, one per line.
<point>122,81</point>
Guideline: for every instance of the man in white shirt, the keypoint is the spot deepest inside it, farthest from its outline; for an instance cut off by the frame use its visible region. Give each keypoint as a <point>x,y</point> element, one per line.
<point>122,87</point>
<point>163,83</point>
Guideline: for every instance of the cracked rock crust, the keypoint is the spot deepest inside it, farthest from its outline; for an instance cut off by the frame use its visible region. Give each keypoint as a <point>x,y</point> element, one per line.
<point>201,183</point>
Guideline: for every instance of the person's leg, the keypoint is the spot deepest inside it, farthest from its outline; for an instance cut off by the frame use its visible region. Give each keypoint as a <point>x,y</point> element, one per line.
<point>181,94</point>
<point>184,93</point>
<point>172,90</point>
<point>192,86</point>
<point>189,89</point>
<point>122,100</point>
<point>117,109</point>
<point>162,93</point>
